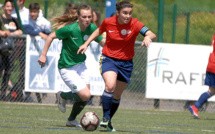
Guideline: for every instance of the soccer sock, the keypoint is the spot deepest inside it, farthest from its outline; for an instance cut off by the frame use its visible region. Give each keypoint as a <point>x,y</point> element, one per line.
<point>76,109</point>
<point>202,99</point>
<point>107,98</point>
<point>115,105</point>
<point>71,96</point>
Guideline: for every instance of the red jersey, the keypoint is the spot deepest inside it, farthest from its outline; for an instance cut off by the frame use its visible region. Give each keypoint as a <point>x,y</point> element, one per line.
<point>211,61</point>
<point>120,39</point>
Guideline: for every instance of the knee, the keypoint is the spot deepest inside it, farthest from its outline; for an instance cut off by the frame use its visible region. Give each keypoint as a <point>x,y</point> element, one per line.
<point>86,97</point>
<point>109,88</point>
<point>212,90</point>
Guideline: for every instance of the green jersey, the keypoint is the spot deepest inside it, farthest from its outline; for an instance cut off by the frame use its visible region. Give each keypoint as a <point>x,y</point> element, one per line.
<point>72,38</point>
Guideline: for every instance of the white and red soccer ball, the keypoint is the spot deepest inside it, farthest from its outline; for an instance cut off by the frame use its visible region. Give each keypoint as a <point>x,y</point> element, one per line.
<point>90,121</point>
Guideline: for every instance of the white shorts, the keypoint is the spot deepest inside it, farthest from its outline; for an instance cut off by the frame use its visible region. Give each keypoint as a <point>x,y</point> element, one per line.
<point>75,77</point>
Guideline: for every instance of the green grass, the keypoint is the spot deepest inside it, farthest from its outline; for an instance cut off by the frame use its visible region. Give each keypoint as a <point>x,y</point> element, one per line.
<point>45,119</point>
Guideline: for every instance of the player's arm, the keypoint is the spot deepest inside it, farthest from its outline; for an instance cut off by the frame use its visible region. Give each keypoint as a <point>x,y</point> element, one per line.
<point>148,36</point>
<point>42,59</point>
<point>93,36</point>
<point>102,42</point>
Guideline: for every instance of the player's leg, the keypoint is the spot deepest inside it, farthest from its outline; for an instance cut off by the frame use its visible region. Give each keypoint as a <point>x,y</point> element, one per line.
<point>210,81</point>
<point>120,86</point>
<point>124,75</point>
<point>107,96</point>
<point>77,79</point>
<point>109,72</point>
<point>76,109</point>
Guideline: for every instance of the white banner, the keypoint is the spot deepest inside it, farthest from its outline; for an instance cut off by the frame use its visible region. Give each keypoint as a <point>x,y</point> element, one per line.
<point>48,79</point>
<point>176,71</point>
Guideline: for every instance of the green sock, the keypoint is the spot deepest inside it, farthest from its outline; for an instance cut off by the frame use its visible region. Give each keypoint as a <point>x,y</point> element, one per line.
<point>71,96</point>
<point>76,109</point>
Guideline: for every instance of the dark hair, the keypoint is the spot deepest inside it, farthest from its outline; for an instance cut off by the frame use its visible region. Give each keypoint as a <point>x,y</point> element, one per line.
<point>33,6</point>
<point>113,14</point>
<point>123,4</point>
<point>85,7</point>
<point>98,14</point>
<point>7,1</point>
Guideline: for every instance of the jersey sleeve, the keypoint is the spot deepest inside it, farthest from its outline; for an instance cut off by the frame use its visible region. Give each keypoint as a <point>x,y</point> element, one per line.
<point>94,27</point>
<point>139,26</point>
<point>102,26</point>
<point>63,32</point>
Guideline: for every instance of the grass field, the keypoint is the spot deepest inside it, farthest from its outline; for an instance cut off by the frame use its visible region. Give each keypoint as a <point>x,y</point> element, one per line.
<point>47,119</point>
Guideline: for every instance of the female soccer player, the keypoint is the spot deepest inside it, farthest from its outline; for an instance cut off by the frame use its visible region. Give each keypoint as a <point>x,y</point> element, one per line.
<point>72,65</point>
<point>116,60</point>
<point>210,81</point>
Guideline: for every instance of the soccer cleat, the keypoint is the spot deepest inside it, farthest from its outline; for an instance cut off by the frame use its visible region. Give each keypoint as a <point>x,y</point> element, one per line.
<point>104,122</point>
<point>73,123</point>
<point>61,102</point>
<point>110,128</point>
<point>194,111</point>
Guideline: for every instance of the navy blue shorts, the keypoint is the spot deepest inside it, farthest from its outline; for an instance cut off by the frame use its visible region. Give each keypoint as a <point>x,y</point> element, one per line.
<point>123,68</point>
<point>210,79</point>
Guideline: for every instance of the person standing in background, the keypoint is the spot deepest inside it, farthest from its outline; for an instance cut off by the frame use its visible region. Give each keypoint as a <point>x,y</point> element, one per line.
<point>209,80</point>
<point>23,12</point>
<point>41,25</point>
<point>8,26</point>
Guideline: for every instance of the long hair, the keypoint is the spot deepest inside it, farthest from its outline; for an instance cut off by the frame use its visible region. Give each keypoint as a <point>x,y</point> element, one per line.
<point>98,14</point>
<point>70,16</point>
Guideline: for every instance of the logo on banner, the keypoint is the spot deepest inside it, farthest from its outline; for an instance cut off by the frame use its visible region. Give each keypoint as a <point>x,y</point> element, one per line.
<point>158,62</point>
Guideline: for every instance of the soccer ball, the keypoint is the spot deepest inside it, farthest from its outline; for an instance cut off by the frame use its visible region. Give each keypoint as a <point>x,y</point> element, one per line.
<point>90,121</point>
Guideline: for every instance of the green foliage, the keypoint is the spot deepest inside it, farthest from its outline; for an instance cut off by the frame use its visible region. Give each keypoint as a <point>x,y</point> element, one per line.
<point>202,17</point>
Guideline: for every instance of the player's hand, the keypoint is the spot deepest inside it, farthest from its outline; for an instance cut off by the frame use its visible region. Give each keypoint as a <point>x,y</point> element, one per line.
<point>42,60</point>
<point>82,49</point>
<point>146,42</point>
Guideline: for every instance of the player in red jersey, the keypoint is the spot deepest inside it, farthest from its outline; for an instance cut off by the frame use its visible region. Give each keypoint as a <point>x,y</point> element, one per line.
<point>209,80</point>
<point>116,63</point>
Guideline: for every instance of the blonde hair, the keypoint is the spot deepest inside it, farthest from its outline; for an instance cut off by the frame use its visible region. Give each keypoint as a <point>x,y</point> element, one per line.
<point>70,16</point>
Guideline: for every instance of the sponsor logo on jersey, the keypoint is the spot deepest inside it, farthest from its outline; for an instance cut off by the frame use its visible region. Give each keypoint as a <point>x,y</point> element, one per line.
<point>86,37</point>
<point>124,31</point>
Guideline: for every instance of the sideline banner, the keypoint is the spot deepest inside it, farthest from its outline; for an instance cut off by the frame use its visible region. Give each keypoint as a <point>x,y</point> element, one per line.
<point>48,79</point>
<point>176,71</point>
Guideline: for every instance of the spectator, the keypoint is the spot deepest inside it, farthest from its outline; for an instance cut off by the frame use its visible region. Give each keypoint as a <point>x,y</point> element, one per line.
<point>23,12</point>
<point>8,26</point>
<point>40,25</point>
<point>32,21</point>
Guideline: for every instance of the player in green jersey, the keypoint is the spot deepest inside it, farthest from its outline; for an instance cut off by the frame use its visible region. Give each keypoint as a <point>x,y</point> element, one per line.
<point>72,65</point>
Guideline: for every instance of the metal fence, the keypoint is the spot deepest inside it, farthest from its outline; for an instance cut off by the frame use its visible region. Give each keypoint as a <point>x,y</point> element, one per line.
<point>181,25</point>
<point>132,98</point>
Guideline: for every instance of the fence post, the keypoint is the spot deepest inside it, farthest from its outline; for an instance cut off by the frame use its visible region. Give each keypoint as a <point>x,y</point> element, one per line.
<point>187,28</point>
<point>18,16</point>
<point>160,20</point>
<point>160,36</point>
<point>46,8</point>
<point>174,23</point>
